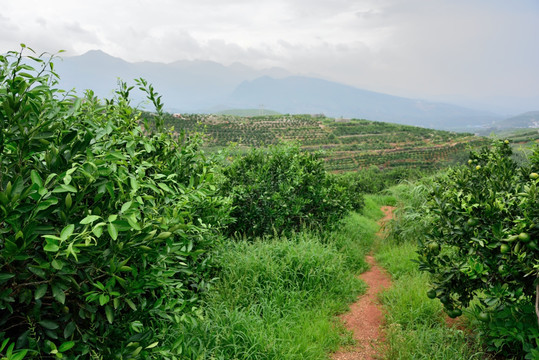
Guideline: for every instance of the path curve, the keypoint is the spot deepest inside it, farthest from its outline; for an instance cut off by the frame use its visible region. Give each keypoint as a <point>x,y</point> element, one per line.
<point>365,317</point>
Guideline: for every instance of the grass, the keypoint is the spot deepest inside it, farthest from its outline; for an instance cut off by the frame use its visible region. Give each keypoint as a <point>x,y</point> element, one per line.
<point>277,298</point>
<point>415,324</point>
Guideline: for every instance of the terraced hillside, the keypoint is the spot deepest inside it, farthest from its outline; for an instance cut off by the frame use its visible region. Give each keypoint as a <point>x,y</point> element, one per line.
<point>349,144</point>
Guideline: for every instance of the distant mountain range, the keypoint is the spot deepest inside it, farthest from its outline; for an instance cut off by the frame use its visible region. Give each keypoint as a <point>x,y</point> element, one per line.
<point>529,119</point>
<point>209,87</point>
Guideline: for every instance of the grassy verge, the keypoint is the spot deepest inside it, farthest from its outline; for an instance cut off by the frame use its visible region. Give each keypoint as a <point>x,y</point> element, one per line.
<point>277,298</point>
<point>415,325</point>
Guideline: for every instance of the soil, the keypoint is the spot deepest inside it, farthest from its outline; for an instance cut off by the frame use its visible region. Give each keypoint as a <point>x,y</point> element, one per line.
<point>365,318</point>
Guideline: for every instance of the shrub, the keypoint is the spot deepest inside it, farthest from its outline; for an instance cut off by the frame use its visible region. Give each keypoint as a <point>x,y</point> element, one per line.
<point>281,189</point>
<point>484,244</point>
<point>104,225</point>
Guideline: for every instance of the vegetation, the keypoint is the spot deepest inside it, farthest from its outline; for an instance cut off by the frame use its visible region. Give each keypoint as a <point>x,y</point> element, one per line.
<point>122,238</point>
<point>105,226</point>
<point>281,189</point>
<point>111,234</point>
<point>349,145</point>
<point>277,298</point>
<point>477,239</point>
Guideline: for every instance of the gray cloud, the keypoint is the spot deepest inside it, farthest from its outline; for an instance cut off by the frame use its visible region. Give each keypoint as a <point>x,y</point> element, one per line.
<point>411,48</point>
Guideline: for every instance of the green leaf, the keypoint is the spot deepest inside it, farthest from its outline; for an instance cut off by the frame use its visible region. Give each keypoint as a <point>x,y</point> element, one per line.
<point>67,232</point>
<point>98,230</point>
<point>49,324</point>
<point>69,188</point>
<point>19,355</point>
<point>164,187</point>
<point>5,277</point>
<point>36,179</point>
<point>152,345</point>
<point>4,344</point>
<point>66,346</point>
<point>103,299</point>
<point>40,291</point>
<point>109,313</point>
<point>126,206</point>
<point>58,294</point>
<point>89,219</point>
<point>113,232</point>
<point>131,304</point>
<point>46,204</point>
<point>51,248</point>
<point>69,329</point>
<point>57,264</point>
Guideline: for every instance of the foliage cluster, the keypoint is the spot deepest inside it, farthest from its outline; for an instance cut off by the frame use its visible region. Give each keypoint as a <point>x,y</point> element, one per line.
<point>282,189</point>
<point>104,225</point>
<point>483,244</point>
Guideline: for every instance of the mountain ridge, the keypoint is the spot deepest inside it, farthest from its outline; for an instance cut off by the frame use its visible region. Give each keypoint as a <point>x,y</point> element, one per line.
<point>191,86</point>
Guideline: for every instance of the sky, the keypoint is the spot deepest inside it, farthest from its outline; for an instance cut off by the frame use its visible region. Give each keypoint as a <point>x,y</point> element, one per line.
<point>469,51</point>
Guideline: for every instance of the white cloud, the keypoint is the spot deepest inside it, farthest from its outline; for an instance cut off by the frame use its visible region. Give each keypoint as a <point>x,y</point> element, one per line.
<point>407,47</point>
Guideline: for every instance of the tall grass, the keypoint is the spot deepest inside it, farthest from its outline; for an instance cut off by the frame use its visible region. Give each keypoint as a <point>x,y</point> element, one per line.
<point>277,298</point>
<point>415,325</point>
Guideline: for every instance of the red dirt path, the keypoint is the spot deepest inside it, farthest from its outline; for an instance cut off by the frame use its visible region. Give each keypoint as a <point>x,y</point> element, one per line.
<point>365,317</point>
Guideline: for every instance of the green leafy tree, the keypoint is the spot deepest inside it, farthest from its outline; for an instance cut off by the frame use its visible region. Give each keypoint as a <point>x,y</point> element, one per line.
<point>281,189</point>
<point>105,224</point>
<point>483,244</point>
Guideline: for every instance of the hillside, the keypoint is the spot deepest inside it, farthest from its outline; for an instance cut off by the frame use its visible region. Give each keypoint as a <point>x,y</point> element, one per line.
<point>350,144</point>
<point>529,119</point>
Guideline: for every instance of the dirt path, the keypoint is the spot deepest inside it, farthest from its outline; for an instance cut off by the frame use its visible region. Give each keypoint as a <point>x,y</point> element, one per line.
<point>365,317</point>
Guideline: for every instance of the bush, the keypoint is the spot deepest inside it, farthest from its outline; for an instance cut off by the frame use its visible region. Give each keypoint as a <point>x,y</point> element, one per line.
<point>484,244</point>
<point>281,189</point>
<point>104,225</point>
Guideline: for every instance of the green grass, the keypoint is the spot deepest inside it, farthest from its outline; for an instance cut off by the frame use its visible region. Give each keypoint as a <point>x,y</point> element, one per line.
<point>415,324</point>
<point>277,298</point>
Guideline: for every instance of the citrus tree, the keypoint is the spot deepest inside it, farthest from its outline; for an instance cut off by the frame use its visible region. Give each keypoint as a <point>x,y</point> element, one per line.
<point>105,224</point>
<point>282,189</point>
<point>483,245</point>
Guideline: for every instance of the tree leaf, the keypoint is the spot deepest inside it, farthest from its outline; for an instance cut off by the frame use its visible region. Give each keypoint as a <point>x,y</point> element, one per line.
<point>109,313</point>
<point>66,346</point>
<point>36,179</point>
<point>5,277</point>
<point>113,232</point>
<point>69,329</point>
<point>67,232</point>
<point>46,204</point>
<point>40,291</point>
<point>126,206</point>
<point>49,324</point>
<point>89,219</point>
<point>58,294</point>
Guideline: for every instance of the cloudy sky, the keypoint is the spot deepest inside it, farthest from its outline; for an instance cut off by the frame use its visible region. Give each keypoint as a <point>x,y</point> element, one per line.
<point>473,50</point>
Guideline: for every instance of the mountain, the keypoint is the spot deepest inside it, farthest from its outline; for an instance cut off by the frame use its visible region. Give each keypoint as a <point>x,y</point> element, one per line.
<point>205,86</point>
<point>529,119</point>
<point>186,86</point>
<point>296,94</point>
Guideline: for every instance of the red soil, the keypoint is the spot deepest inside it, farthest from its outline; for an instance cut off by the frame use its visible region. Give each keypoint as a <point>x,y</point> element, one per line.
<point>365,317</point>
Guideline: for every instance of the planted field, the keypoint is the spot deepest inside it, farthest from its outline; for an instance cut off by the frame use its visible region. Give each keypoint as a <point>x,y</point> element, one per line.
<point>349,145</point>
